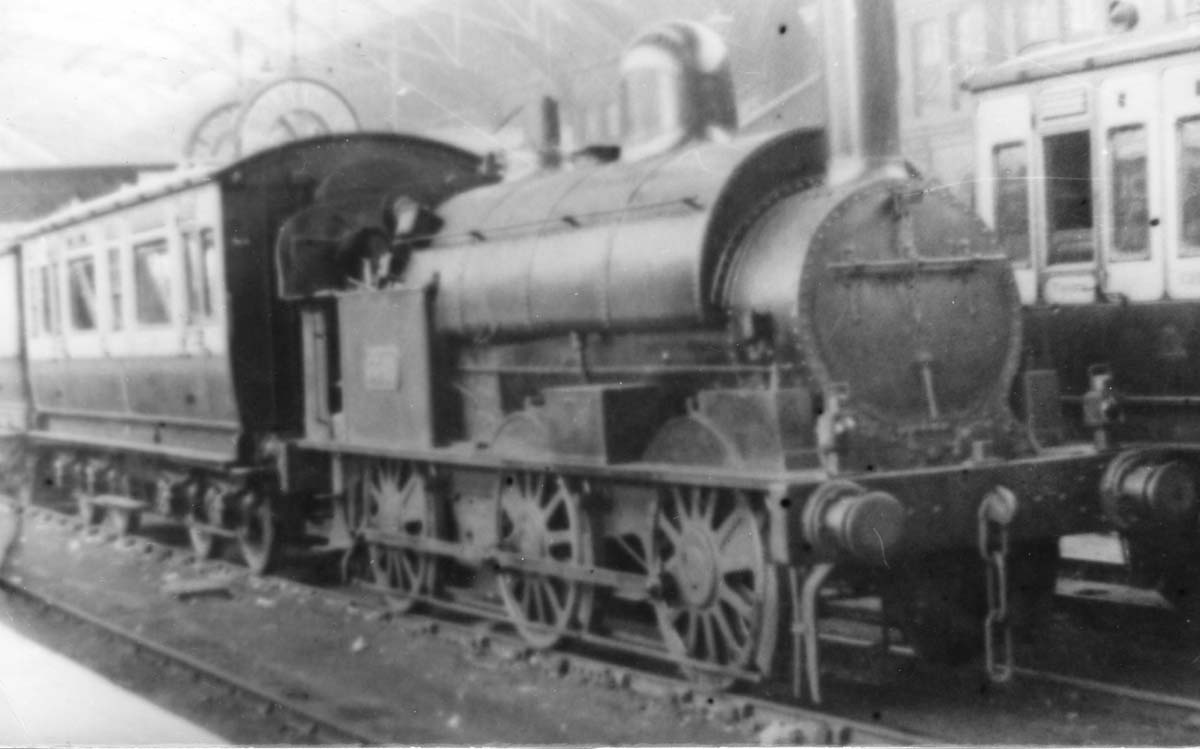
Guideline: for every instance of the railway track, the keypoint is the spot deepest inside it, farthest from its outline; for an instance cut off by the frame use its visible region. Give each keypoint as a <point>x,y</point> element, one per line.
<point>297,722</point>
<point>792,724</point>
<point>307,721</point>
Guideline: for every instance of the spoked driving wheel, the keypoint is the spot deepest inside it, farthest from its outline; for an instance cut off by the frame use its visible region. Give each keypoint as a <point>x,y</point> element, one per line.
<point>400,502</point>
<point>716,581</point>
<point>256,532</point>
<point>543,521</point>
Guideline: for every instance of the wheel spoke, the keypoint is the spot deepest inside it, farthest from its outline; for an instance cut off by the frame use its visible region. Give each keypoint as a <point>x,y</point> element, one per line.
<point>673,533</point>
<point>740,554</point>
<point>566,536</point>
<point>732,642</point>
<point>743,608</point>
<point>709,637</point>
<point>729,527</point>
<point>691,633</point>
<point>706,501</point>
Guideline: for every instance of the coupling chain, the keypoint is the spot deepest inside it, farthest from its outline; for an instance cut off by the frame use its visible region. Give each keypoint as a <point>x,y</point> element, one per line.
<point>995,514</point>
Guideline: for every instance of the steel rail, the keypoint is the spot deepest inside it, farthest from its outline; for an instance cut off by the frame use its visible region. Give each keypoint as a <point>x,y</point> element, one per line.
<point>301,715</point>
<point>822,727</point>
<point>1147,696</point>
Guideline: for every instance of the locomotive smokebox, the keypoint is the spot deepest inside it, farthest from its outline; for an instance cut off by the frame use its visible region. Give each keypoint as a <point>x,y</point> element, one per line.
<point>861,83</point>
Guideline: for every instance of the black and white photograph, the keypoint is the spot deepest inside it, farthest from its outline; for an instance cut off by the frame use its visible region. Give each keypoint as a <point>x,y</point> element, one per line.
<point>599,373</point>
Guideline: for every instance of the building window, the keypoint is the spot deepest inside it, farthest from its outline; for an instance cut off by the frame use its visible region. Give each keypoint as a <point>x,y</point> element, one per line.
<point>1010,163</point>
<point>929,68</point>
<point>1082,18</point>
<point>1189,187</point>
<point>1130,212</point>
<point>1035,21</point>
<point>81,299</point>
<point>968,49</point>
<point>1069,197</point>
<point>200,259</point>
<point>116,289</point>
<point>152,278</point>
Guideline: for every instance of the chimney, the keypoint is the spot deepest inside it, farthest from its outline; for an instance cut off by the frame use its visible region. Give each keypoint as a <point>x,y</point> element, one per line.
<point>861,87</point>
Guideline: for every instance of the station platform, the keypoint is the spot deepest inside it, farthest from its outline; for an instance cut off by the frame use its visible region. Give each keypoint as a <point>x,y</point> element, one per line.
<point>47,699</point>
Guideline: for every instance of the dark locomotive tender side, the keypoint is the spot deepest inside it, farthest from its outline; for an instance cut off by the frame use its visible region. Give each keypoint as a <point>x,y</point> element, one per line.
<point>650,403</point>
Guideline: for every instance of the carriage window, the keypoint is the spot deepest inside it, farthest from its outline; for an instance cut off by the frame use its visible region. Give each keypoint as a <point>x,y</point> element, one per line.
<point>152,276</point>
<point>1069,198</point>
<point>201,263</point>
<point>116,289</point>
<point>1131,215</point>
<point>1011,166</point>
<point>1189,188</point>
<point>81,283</point>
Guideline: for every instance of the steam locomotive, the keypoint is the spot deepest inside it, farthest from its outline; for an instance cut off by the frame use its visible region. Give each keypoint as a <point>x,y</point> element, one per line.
<point>651,402</point>
<point>1089,167</point>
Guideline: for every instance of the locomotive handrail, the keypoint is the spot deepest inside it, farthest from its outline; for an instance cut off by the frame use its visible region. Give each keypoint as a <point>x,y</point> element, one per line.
<point>562,221</point>
<point>909,266</point>
<point>168,420</point>
<point>1144,400</point>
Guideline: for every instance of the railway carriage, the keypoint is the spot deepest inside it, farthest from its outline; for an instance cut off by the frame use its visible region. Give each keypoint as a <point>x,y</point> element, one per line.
<point>1089,170</point>
<point>654,402</point>
<point>161,364</point>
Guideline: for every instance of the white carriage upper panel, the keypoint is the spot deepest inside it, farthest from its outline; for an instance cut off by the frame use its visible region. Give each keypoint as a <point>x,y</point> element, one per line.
<point>134,274</point>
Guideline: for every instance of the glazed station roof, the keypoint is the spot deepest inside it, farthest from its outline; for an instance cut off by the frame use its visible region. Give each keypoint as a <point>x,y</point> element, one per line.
<point>164,81</point>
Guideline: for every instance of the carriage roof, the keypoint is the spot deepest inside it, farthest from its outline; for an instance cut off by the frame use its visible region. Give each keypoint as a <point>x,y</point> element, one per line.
<point>1105,52</point>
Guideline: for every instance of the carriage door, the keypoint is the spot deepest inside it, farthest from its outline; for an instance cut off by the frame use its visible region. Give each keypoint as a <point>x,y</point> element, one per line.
<point>1181,218</point>
<point>1004,184</point>
<point>1130,198</point>
<point>1070,263</point>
